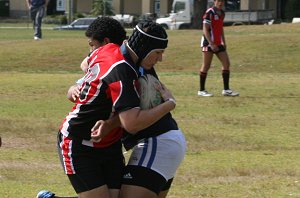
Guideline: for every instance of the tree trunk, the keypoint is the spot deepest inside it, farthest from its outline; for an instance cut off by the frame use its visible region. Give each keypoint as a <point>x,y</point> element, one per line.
<point>199,9</point>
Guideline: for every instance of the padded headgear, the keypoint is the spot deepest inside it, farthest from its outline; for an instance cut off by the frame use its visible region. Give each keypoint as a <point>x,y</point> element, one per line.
<point>147,36</point>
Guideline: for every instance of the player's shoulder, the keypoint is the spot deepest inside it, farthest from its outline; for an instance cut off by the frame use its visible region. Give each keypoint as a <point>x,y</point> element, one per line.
<point>209,13</point>
<point>210,10</point>
<point>111,50</point>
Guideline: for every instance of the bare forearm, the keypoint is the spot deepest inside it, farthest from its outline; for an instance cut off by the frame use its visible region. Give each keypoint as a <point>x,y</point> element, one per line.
<point>113,122</point>
<point>136,119</point>
<point>28,3</point>
<point>223,37</point>
<point>102,128</point>
<point>207,34</point>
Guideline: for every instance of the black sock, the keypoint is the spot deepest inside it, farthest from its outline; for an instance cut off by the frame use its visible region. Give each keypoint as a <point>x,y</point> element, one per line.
<point>226,75</point>
<point>202,80</point>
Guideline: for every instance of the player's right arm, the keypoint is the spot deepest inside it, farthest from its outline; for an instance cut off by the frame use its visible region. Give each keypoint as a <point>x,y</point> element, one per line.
<point>136,119</point>
<point>28,2</point>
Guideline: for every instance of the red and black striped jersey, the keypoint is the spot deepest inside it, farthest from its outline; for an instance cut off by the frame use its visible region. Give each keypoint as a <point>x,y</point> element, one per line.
<point>214,18</point>
<point>109,86</point>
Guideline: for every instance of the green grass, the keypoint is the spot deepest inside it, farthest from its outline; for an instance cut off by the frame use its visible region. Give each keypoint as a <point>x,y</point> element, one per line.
<point>246,146</point>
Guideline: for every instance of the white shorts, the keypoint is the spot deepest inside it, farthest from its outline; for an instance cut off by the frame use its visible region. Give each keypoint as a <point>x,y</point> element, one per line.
<point>162,154</point>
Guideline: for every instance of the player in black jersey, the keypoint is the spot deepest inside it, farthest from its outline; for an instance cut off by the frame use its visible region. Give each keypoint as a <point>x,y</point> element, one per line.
<point>158,144</point>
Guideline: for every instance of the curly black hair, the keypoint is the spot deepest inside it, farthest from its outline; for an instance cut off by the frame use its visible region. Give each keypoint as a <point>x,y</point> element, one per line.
<point>106,27</point>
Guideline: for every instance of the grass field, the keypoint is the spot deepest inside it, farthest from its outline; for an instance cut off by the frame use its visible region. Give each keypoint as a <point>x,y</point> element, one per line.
<point>243,147</point>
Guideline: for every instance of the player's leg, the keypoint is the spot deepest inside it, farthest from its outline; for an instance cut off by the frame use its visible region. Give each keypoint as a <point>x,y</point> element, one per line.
<point>164,191</point>
<point>224,59</point>
<point>157,159</point>
<point>38,22</point>
<point>136,192</point>
<point>206,63</point>
<point>89,169</point>
<point>163,194</point>
<point>33,12</point>
<point>101,191</point>
<point>113,171</point>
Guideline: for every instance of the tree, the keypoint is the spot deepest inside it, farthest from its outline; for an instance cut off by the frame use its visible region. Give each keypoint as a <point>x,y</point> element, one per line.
<point>199,9</point>
<point>101,7</point>
<point>292,9</point>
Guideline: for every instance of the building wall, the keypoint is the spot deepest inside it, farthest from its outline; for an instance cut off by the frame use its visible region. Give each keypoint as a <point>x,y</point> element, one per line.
<point>146,6</point>
<point>116,4</point>
<point>18,8</point>
<point>258,4</point>
<point>138,7</point>
<point>132,7</point>
<point>164,7</point>
<point>84,6</point>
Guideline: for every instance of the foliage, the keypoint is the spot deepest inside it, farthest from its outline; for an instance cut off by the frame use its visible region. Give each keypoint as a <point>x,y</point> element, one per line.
<point>101,7</point>
<point>292,9</point>
<point>199,9</point>
<point>55,19</point>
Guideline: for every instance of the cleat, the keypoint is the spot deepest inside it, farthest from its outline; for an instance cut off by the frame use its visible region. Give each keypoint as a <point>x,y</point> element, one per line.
<point>45,194</point>
<point>204,93</point>
<point>229,92</point>
<point>36,38</point>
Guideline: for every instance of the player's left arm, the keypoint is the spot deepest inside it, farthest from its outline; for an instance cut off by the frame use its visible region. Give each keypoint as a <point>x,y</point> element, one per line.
<point>46,3</point>
<point>73,92</point>
<point>223,32</point>
<point>223,37</point>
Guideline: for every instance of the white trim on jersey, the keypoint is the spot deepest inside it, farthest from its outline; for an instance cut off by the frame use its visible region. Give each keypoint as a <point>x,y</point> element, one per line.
<point>120,93</point>
<point>68,165</point>
<point>72,114</point>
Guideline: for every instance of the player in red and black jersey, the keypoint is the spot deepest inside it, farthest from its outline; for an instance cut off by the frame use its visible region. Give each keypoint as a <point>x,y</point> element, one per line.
<point>213,42</point>
<point>93,168</point>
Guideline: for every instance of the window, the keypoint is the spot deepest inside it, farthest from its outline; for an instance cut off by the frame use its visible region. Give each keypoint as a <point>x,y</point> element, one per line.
<point>232,5</point>
<point>179,6</point>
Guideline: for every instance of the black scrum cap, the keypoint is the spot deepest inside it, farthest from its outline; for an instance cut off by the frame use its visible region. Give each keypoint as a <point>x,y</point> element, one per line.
<point>146,37</point>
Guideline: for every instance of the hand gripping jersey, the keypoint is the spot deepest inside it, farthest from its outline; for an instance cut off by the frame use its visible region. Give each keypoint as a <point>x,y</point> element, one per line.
<point>108,86</point>
<point>214,17</point>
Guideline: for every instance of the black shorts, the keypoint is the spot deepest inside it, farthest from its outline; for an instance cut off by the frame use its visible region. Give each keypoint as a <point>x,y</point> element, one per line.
<point>93,167</point>
<point>145,177</point>
<point>208,49</point>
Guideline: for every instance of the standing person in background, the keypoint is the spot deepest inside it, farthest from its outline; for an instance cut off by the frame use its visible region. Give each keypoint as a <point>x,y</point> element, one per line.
<point>213,42</point>
<point>37,9</point>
